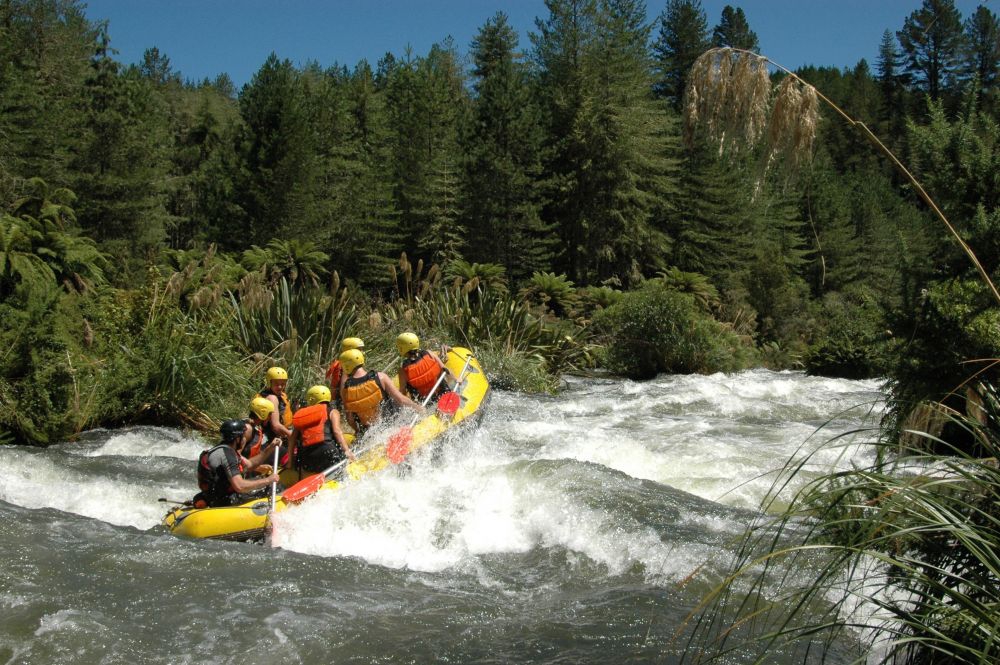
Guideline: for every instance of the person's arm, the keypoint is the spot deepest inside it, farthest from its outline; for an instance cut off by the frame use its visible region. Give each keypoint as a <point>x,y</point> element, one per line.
<point>390,387</point>
<point>444,368</point>
<point>338,434</point>
<point>402,379</point>
<point>274,419</point>
<point>241,484</point>
<point>293,443</point>
<point>238,482</point>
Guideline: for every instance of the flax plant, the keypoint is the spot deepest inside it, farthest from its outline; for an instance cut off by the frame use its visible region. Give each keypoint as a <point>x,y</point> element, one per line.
<point>297,327</point>
<point>901,561</point>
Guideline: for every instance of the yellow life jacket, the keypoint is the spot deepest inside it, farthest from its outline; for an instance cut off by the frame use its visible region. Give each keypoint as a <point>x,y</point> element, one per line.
<point>284,409</point>
<point>364,396</point>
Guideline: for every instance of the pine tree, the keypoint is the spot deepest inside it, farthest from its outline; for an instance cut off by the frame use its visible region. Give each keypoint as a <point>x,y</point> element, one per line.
<point>503,159</point>
<point>710,224</point>
<point>607,144</point>
<point>982,57</point>
<point>734,31</point>
<point>370,240</point>
<point>120,172</point>
<point>932,44</point>
<point>438,234</point>
<point>836,252</point>
<point>425,100</point>
<point>892,80</point>
<point>682,38</point>
<point>278,164</point>
<point>157,69</point>
<point>45,55</point>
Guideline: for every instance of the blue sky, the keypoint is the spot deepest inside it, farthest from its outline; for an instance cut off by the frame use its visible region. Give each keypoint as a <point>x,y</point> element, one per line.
<point>203,38</point>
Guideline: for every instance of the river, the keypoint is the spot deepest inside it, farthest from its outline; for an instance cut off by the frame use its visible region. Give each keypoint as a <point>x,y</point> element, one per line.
<point>558,531</point>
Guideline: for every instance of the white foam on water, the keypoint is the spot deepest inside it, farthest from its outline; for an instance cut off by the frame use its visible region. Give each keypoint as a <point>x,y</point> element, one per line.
<point>687,432</point>
<point>37,481</point>
<point>721,437</point>
<point>149,441</point>
<point>448,515</point>
<point>73,621</point>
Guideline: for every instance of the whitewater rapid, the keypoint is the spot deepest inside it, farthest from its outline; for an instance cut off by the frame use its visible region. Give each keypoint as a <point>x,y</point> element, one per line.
<point>582,527</point>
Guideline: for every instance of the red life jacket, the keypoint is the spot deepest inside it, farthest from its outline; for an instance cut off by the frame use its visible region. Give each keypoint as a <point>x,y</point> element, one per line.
<point>214,484</point>
<point>313,424</point>
<point>422,372</point>
<point>333,374</point>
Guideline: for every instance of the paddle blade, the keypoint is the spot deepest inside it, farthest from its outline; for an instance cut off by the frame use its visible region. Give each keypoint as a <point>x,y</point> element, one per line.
<point>399,445</point>
<point>448,403</point>
<point>304,487</point>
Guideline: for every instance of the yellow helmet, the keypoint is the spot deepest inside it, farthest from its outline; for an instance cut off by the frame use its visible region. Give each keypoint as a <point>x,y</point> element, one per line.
<point>261,407</point>
<point>277,374</point>
<point>351,360</point>
<point>318,394</point>
<point>407,342</point>
<point>352,343</point>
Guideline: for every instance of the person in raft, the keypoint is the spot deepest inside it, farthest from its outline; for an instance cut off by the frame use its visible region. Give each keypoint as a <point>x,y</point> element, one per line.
<point>317,439</point>
<point>365,393</point>
<point>222,471</point>
<point>335,372</point>
<point>420,369</point>
<point>279,423</point>
<point>254,437</point>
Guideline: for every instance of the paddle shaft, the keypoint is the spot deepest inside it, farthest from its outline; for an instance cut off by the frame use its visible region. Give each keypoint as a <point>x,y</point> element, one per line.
<point>465,368</point>
<point>274,486</point>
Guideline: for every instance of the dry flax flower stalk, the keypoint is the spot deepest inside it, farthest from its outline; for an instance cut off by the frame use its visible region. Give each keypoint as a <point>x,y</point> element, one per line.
<point>728,94</point>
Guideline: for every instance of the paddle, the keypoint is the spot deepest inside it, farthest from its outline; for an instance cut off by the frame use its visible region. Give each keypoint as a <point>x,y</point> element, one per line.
<point>450,401</point>
<point>274,486</point>
<point>399,443</point>
<point>307,486</point>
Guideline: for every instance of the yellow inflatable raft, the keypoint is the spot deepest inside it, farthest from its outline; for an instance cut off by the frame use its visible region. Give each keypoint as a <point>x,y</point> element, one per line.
<point>248,521</point>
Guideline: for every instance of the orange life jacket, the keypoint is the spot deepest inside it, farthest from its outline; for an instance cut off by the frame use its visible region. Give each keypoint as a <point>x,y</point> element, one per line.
<point>422,372</point>
<point>313,424</point>
<point>256,442</point>
<point>364,396</point>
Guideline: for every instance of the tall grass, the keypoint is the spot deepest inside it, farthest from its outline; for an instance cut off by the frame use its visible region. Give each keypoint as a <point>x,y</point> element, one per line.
<point>900,558</point>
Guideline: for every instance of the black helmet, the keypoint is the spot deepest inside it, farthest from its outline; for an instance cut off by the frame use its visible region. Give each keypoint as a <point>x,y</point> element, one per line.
<point>231,429</point>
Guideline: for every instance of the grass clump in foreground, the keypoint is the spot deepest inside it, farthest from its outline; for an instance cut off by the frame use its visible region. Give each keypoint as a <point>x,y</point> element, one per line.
<point>899,558</point>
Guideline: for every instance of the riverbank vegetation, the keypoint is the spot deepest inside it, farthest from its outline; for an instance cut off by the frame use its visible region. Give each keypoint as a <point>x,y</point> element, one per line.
<point>163,240</point>
<point>899,556</point>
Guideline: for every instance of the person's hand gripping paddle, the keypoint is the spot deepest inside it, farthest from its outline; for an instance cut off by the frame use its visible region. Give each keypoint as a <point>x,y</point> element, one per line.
<point>399,443</point>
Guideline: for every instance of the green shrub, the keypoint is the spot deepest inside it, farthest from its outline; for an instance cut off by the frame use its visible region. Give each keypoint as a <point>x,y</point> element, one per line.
<point>853,344</point>
<point>656,330</point>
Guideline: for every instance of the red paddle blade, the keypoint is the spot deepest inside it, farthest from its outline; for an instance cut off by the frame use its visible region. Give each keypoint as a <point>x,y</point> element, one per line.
<point>448,403</point>
<point>304,488</point>
<point>399,445</point>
